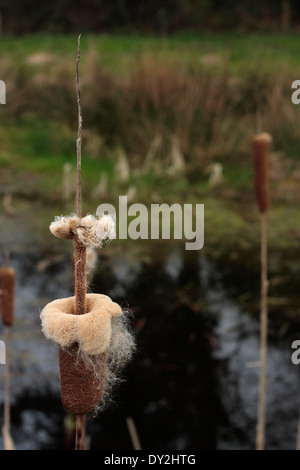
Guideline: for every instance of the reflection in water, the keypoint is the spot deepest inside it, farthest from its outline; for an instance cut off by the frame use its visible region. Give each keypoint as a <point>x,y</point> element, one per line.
<point>193,382</point>
<point>172,390</point>
<point>237,351</point>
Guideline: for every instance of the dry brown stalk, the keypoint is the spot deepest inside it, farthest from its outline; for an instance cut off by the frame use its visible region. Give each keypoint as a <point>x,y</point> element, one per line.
<point>133,434</point>
<point>261,143</point>
<point>81,387</point>
<point>8,442</point>
<point>79,250</point>
<point>80,432</point>
<point>298,434</point>
<point>261,423</point>
<point>88,334</point>
<point>7,298</point>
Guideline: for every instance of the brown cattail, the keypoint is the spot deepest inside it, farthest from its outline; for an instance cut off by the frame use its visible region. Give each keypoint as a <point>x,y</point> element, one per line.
<point>83,340</point>
<point>7,292</point>
<point>85,345</point>
<point>261,143</point>
<point>81,387</point>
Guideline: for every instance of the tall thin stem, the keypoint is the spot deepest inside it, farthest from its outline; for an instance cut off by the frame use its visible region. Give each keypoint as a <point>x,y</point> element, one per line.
<point>298,434</point>
<point>133,434</point>
<point>79,249</point>
<point>7,381</point>
<point>79,137</point>
<point>80,432</point>
<point>261,423</point>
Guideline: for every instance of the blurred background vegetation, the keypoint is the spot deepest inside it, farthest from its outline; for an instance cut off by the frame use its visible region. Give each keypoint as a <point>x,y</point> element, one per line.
<point>166,119</point>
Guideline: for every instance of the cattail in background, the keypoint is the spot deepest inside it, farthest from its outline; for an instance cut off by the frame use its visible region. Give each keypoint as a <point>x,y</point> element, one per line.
<point>7,299</point>
<point>261,144</point>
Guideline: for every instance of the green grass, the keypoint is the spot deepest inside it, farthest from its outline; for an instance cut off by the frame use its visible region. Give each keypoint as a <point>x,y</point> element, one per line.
<point>242,51</point>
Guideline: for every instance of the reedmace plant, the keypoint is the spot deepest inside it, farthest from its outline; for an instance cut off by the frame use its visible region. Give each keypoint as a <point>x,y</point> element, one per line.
<point>90,329</point>
<point>7,306</point>
<point>261,143</point>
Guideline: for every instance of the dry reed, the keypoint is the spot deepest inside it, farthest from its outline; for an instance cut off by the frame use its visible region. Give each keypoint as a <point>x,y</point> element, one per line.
<point>7,300</point>
<point>86,375</point>
<point>261,143</point>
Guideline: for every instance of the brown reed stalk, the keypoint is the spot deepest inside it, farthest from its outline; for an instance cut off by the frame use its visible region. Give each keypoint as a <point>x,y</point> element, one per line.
<point>133,434</point>
<point>7,296</point>
<point>79,250</point>
<point>81,389</point>
<point>72,372</point>
<point>6,430</point>
<point>261,422</point>
<point>298,433</point>
<point>79,137</point>
<point>261,143</point>
<point>80,432</point>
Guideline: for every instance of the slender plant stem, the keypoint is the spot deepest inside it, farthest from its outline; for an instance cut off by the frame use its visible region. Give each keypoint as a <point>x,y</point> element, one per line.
<point>7,381</point>
<point>133,434</point>
<point>79,137</point>
<point>261,422</point>
<point>79,249</point>
<point>298,434</point>
<point>80,432</point>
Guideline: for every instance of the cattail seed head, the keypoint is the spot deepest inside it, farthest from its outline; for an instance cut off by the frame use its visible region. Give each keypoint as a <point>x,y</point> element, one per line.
<point>82,383</point>
<point>261,144</point>
<point>7,292</point>
<point>85,347</point>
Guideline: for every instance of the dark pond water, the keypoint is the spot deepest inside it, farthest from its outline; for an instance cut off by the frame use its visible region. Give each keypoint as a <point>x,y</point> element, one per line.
<point>193,383</point>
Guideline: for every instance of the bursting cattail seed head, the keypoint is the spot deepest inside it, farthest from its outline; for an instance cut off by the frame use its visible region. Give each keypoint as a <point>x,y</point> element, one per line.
<point>93,348</point>
<point>7,292</point>
<point>261,144</point>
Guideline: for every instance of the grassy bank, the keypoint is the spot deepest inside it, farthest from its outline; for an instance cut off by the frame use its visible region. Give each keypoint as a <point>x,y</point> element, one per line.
<point>158,112</point>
